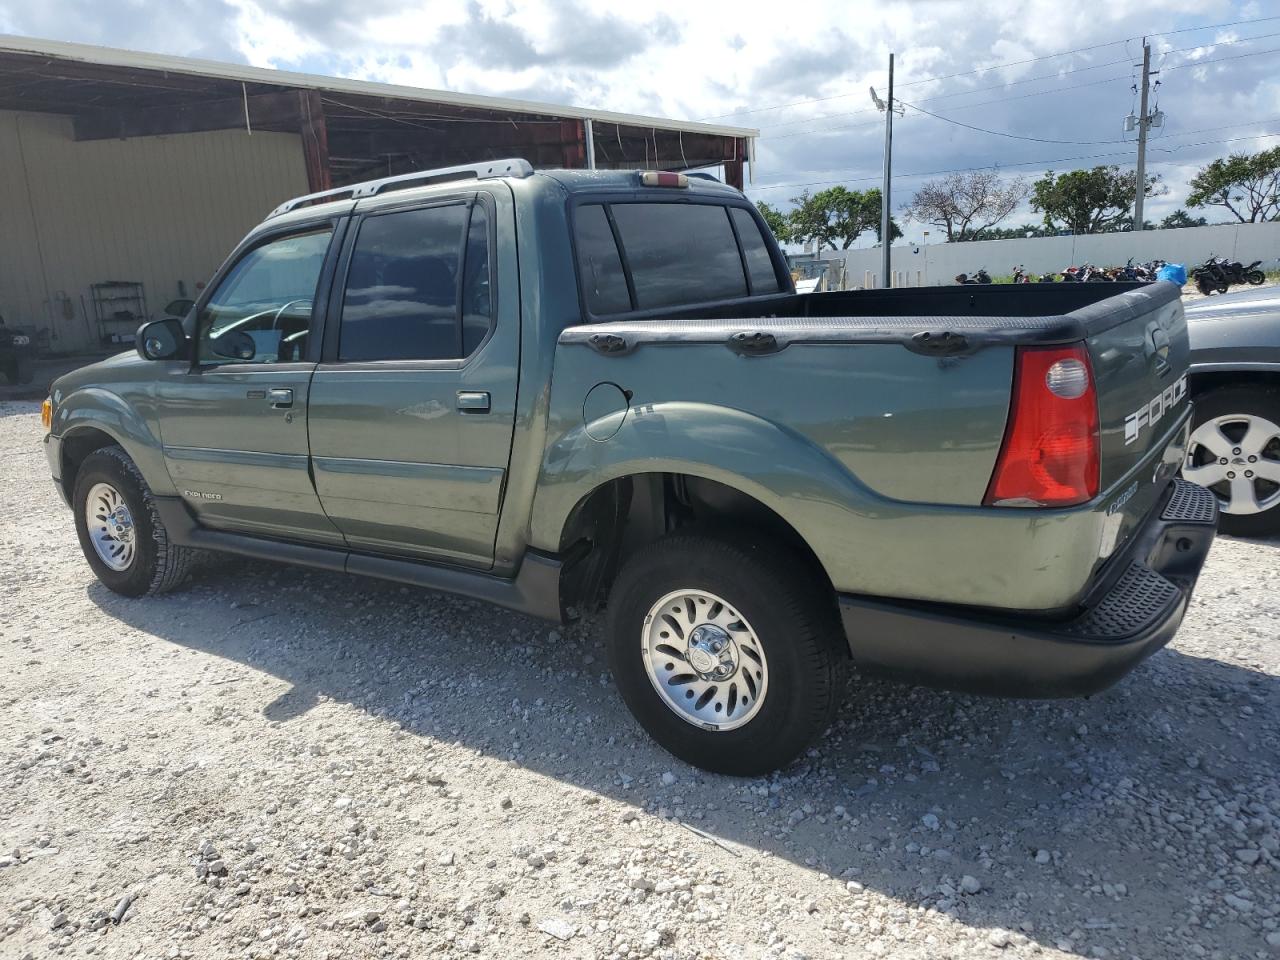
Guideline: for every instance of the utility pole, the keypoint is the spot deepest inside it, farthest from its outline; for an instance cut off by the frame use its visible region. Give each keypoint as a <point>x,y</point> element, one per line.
<point>888,108</point>
<point>1144,122</point>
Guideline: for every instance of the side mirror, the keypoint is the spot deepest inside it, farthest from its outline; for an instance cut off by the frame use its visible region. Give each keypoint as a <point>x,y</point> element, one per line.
<point>161,339</point>
<point>234,345</point>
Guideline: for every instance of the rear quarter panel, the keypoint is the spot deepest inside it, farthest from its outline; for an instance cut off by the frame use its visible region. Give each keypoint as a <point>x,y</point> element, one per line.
<point>806,433</point>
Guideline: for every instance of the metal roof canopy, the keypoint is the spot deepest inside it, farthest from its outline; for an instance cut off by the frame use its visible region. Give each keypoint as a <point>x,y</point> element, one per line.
<point>351,129</point>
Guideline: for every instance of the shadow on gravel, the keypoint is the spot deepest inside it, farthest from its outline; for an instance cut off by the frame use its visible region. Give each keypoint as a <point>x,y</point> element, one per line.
<point>1089,824</point>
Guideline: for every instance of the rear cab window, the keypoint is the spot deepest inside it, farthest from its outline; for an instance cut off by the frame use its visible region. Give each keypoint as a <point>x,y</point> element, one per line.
<point>636,256</point>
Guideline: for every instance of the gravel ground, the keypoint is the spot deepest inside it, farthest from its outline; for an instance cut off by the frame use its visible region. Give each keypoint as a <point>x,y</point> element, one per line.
<point>275,762</point>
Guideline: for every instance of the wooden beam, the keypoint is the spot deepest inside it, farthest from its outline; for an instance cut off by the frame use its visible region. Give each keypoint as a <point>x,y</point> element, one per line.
<point>315,140</point>
<point>265,111</point>
<point>573,135</point>
<point>733,168</point>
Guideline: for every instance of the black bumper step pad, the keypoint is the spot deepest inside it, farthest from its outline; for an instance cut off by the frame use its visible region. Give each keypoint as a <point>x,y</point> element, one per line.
<point>1190,503</point>
<point>1140,598</point>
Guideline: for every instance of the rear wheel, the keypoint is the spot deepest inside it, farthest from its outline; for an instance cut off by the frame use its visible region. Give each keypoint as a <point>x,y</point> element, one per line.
<point>725,653</point>
<point>1235,452</point>
<point>120,531</point>
<point>1255,277</point>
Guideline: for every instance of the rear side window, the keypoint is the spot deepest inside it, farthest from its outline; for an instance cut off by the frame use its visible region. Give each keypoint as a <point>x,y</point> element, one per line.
<point>679,253</point>
<point>764,279</point>
<point>410,295</point>
<point>599,263</point>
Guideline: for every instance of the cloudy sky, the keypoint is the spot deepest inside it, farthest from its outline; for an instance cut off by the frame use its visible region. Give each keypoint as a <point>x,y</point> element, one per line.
<point>799,73</point>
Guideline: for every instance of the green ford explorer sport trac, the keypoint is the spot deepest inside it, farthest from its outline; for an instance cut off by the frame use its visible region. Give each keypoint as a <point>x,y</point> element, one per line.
<point>563,390</point>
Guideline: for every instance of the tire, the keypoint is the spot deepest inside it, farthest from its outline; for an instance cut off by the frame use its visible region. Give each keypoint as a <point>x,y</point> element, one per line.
<point>1239,410</point>
<point>1255,278</point>
<point>790,623</point>
<point>1204,285</point>
<point>154,565</point>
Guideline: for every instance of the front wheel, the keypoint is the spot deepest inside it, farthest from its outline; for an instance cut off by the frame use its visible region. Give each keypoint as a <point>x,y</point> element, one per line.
<point>1235,452</point>
<point>120,530</point>
<point>724,652</point>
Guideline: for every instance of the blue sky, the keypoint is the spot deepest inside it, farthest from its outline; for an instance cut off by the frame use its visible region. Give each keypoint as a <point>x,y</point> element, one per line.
<point>801,76</point>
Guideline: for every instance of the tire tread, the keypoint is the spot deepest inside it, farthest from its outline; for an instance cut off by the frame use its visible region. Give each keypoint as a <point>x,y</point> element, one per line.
<point>173,563</point>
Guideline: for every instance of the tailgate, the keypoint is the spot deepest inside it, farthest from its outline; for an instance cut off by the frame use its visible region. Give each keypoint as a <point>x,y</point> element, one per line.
<point>1139,348</point>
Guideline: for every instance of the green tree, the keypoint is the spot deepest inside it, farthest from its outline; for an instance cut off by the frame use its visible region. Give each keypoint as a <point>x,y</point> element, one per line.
<point>1089,201</point>
<point>1247,184</point>
<point>836,217</point>
<point>1180,218</point>
<point>779,222</point>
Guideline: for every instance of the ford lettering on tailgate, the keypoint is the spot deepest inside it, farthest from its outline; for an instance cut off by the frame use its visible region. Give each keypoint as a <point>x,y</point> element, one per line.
<point>1149,414</point>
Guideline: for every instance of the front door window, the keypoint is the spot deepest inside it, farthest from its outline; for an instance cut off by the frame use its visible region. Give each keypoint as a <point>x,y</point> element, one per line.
<point>261,311</point>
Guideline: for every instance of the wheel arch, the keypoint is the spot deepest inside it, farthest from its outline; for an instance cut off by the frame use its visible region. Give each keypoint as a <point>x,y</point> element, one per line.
<point>1203,381</point>
<point>624,513</point>
<point>93,418</point>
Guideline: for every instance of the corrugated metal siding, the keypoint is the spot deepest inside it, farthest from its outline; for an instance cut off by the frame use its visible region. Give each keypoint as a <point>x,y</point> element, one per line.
<point>156,209</point>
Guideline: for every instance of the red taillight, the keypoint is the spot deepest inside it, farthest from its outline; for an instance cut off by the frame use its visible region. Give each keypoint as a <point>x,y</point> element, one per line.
<point>1050,452</point>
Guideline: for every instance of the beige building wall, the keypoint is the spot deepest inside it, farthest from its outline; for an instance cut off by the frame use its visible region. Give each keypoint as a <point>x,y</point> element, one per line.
<point>161,210</point>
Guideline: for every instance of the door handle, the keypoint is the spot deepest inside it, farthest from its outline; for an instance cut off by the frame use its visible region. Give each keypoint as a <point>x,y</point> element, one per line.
<point>280,397</point>
<point>473,401</point>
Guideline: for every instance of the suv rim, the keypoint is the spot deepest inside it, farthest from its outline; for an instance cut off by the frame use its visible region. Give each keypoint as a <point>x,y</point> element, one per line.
<point>110,526</point>
<point>704,660</point>
<point>1237,456</point>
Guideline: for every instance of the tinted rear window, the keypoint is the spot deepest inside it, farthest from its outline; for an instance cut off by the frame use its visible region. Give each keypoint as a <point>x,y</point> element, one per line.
<point>679,253</point>
<point>764,279</point>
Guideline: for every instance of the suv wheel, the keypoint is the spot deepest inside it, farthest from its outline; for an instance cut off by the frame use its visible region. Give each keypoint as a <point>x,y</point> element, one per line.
<point>1235,452</point>
<point>724,653</point>
<point>119,529</point>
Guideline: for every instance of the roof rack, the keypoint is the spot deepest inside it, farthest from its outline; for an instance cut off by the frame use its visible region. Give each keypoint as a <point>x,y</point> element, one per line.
<point>468,171</point>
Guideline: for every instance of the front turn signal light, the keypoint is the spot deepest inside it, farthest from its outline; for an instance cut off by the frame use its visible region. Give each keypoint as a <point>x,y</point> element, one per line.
<point>46,413</point>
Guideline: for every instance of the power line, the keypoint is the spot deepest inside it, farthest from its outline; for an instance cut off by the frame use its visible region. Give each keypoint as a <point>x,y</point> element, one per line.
<point>1016,63</point>
<point>1201,63</point>
<point>965,106</point>
<point>1043,76</point>
<point>1025,163</point>
<point>1011,136</point>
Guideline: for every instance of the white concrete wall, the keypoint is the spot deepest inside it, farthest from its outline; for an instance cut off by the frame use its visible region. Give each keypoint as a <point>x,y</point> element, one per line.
<point>940,262</point>
<point>155,209</point>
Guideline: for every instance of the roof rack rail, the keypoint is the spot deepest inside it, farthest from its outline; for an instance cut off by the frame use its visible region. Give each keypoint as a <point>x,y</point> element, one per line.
<point>513,167</point>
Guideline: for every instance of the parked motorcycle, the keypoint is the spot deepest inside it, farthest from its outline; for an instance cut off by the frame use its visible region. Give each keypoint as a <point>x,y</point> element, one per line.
<point>980,277</point>
<point>1237,272</point>
<point>1020,275</point>
<point>1210,277</point>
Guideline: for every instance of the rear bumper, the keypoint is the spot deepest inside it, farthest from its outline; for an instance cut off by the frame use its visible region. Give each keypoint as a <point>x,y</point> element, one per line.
<point>1133,609</point>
